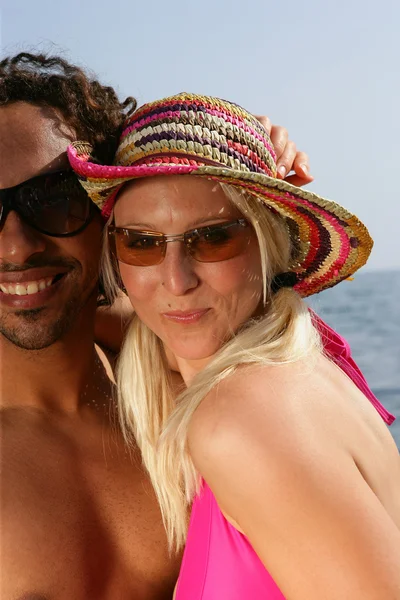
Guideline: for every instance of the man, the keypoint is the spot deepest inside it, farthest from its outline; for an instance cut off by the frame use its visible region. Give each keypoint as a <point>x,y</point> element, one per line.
<point>79,518</point>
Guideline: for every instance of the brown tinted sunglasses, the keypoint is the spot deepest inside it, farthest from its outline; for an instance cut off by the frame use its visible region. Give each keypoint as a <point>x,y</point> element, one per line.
<point>212,243</point>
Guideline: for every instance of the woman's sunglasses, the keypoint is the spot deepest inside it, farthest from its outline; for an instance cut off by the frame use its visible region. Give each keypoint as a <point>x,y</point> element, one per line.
<point>213,243</point>
<point>54,204</point>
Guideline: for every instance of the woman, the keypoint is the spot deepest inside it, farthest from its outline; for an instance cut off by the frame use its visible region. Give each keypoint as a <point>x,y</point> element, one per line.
<point>294,478</point>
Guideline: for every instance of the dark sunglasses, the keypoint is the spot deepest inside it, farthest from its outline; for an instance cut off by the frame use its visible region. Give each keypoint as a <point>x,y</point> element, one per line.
<point>54,204</point>
<point>212,243</point>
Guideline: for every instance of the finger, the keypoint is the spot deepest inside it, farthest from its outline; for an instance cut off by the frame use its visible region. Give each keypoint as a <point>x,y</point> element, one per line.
<point>301,165</point>
<point>265,122</point>
<point>299,181</point>
<point>285,161</point>
<point>279,138</point>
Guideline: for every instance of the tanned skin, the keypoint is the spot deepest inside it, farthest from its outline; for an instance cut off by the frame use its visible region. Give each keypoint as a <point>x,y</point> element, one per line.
<point>79,519</point>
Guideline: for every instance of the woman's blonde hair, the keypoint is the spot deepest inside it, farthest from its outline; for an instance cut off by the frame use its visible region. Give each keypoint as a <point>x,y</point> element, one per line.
<point>150,413</point>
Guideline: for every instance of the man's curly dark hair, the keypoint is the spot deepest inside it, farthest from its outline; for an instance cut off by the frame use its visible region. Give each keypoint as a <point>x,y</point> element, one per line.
<point>92,109</point>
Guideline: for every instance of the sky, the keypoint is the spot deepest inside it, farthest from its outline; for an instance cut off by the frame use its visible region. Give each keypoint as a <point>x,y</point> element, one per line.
<point>328,70</point>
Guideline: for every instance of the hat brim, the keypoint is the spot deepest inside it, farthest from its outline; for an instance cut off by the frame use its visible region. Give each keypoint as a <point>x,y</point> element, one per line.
<point>331,243</point>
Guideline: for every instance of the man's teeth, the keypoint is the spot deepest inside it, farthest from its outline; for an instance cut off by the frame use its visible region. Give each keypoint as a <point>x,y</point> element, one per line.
<point>23,289</point>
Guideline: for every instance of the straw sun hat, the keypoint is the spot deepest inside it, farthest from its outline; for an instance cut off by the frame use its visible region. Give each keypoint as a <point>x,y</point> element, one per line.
<point>213,138</point>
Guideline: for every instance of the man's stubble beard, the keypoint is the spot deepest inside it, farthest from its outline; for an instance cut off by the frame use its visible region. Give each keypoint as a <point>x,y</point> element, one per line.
<point>34,333</point>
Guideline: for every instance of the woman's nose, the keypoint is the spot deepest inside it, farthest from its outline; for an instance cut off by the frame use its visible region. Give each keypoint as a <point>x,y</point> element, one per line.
<point>178,270</point>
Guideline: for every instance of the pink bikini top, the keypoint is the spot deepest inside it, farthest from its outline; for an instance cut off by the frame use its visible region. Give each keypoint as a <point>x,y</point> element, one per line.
<point>219,563</point>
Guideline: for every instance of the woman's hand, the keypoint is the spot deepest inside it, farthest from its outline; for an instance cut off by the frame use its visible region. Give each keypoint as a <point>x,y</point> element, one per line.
<point>288,158</point>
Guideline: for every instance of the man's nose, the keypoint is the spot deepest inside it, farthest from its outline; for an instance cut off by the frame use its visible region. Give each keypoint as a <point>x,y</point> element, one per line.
<point>19,241</point>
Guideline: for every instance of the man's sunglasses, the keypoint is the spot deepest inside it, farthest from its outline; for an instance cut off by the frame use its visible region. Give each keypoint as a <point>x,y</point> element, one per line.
<point>54,204</point>
<point>212,243</point>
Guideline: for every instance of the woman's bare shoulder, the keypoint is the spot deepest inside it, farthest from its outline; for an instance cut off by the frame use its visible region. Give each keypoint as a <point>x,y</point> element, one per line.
<point>265,442</point>
<point>268,403</point>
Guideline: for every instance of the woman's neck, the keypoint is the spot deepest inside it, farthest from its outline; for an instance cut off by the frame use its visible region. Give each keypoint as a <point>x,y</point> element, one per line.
<point>187,368</point>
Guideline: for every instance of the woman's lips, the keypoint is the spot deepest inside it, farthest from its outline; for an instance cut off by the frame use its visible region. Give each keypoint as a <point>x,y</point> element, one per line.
<point>188,316</point>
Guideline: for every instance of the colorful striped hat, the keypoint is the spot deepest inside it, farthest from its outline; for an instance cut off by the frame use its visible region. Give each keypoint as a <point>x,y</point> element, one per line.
<point>219,140</point>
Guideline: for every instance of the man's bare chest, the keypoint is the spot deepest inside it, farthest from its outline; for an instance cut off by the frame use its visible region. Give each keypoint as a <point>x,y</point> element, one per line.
<point>82,522</point>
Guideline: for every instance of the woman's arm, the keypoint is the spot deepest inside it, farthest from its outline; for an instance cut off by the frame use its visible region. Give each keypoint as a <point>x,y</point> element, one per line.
<point>294,489</point>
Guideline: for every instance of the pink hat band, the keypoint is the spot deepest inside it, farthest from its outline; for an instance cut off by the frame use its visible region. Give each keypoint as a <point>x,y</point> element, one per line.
<point>212,138</point>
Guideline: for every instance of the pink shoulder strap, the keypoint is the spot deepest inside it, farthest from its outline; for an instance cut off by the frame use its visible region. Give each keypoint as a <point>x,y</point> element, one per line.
<point>339,350</point>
